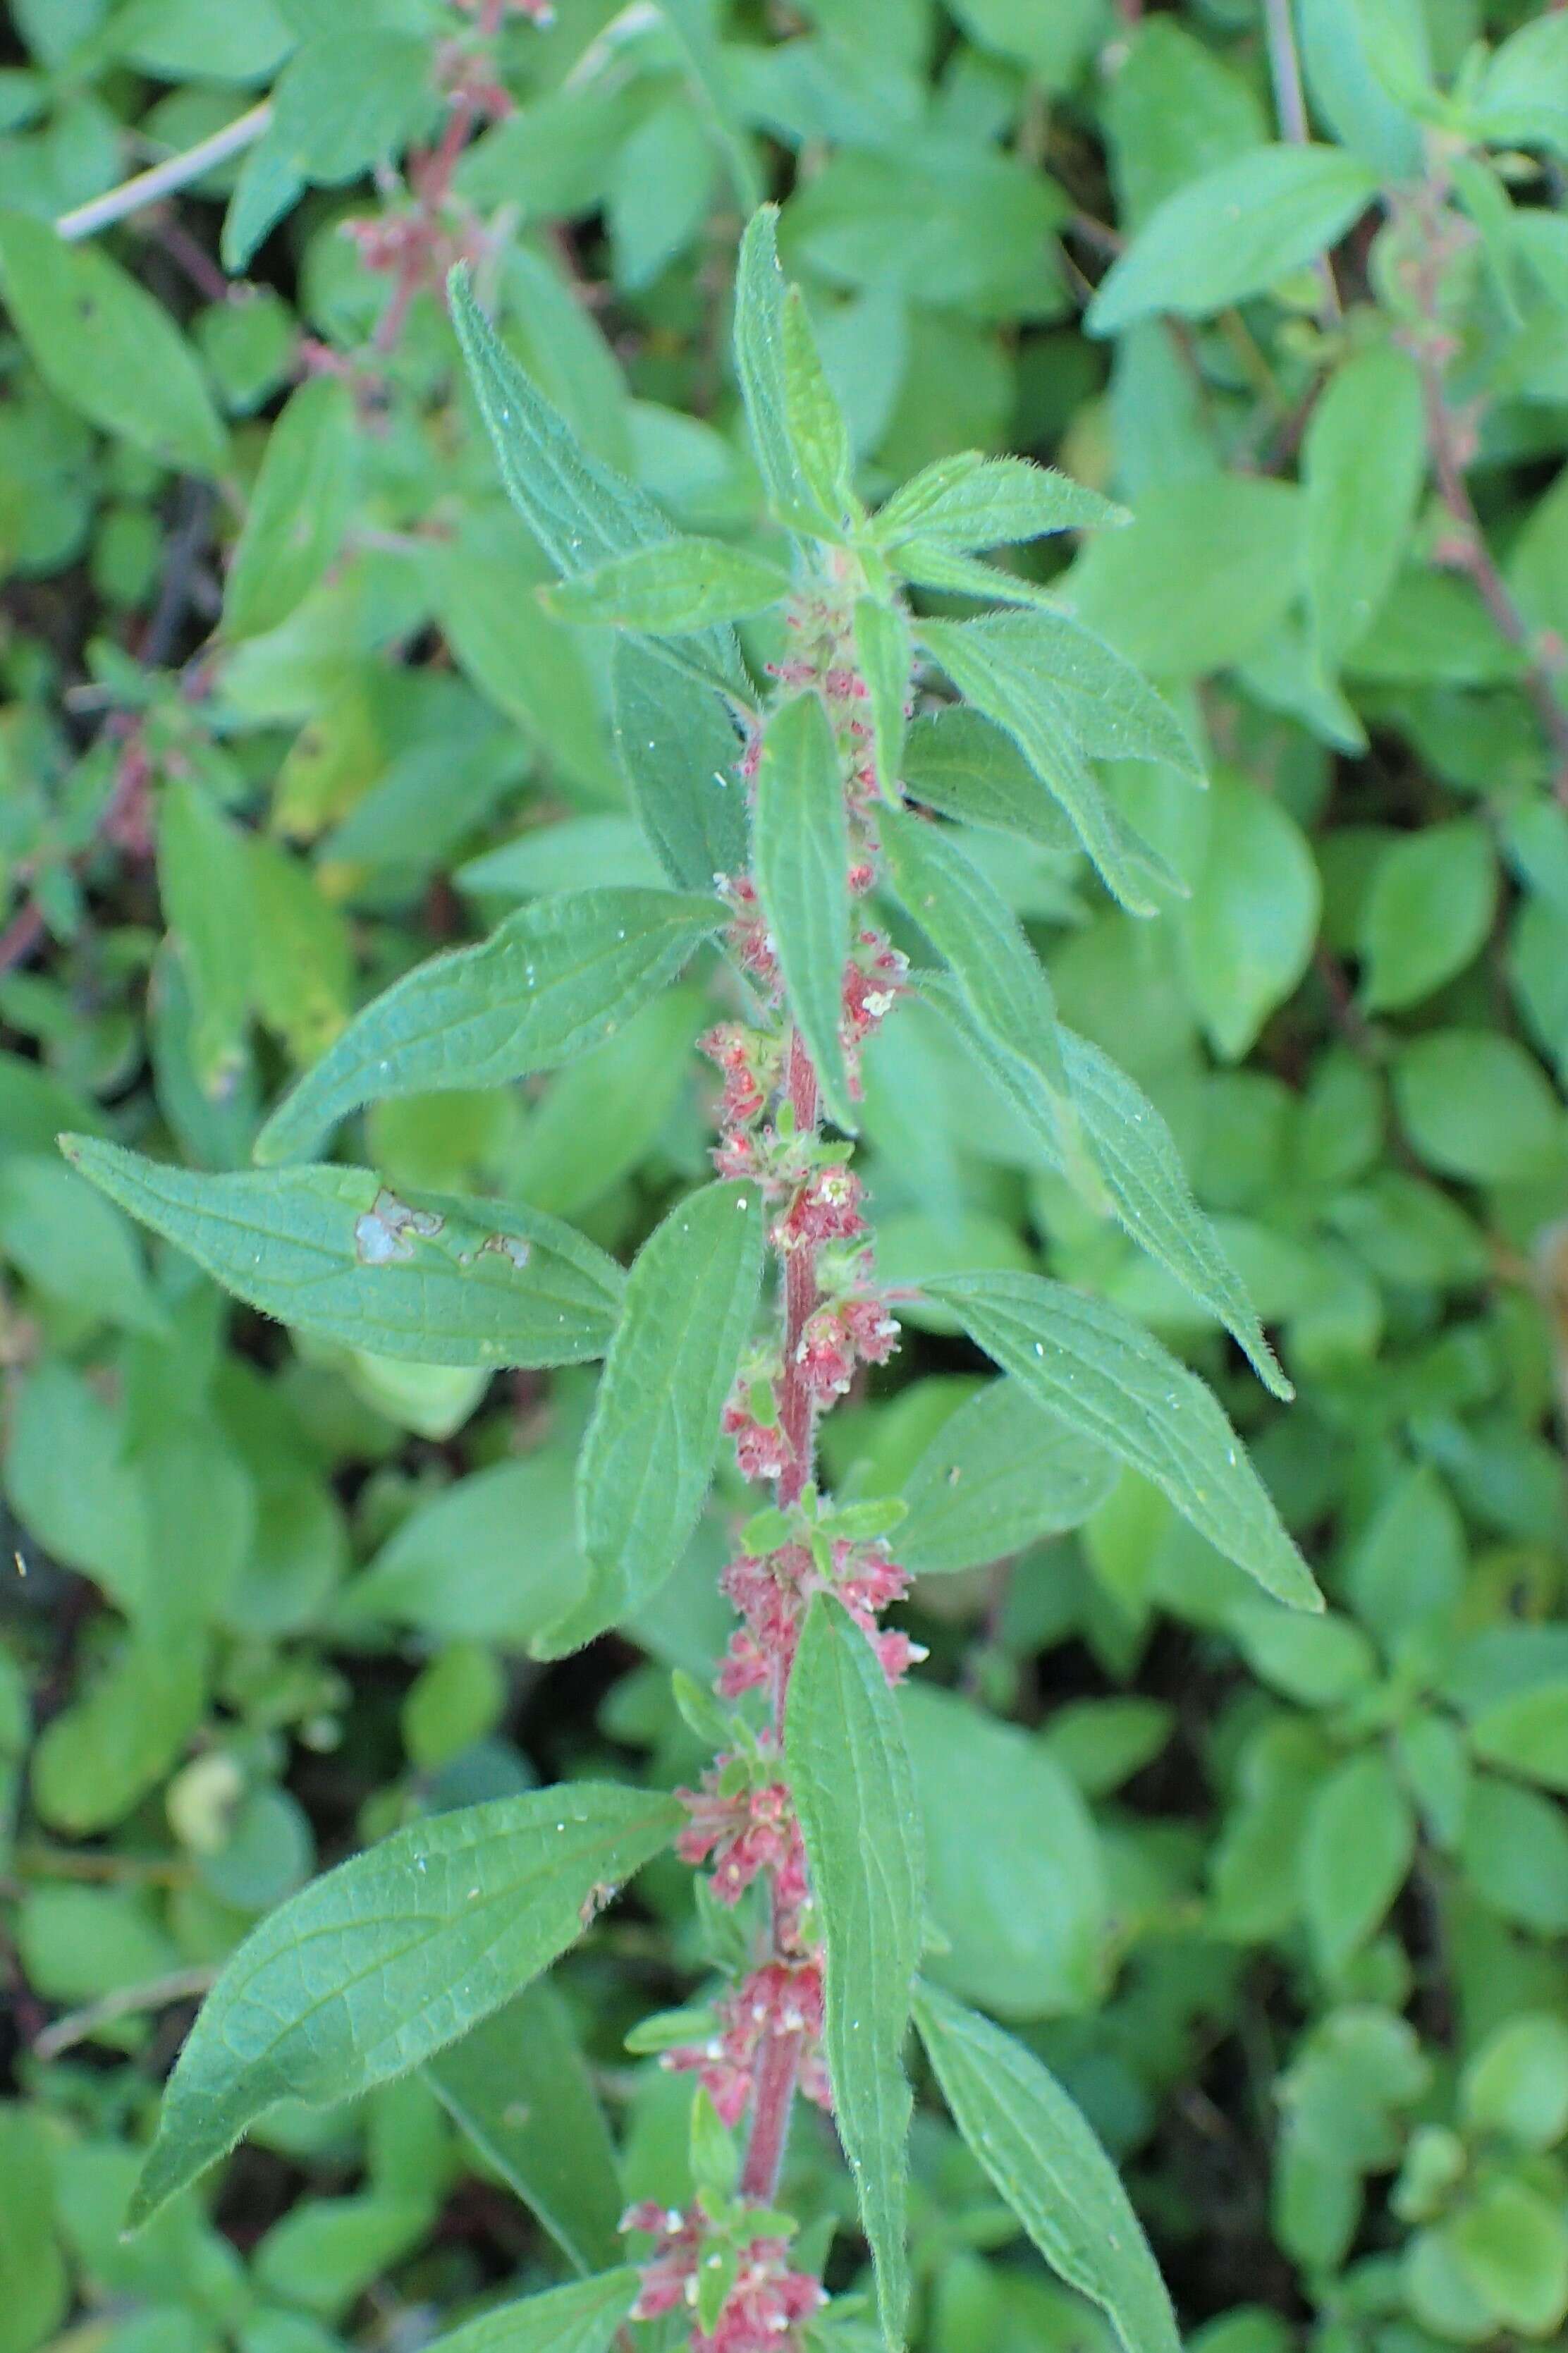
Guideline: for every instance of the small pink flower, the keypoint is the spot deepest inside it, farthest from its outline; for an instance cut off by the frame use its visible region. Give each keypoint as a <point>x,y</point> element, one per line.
<point>762,2309</point>
<point>746,1833</point>
<point>781,1999</point>
<point>826,1208</point>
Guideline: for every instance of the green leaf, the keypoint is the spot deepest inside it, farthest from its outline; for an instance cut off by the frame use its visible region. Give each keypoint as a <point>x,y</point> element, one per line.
<point>1205,573</point>
<point>676,746</point>
<point>817,432</point>
<point>650,1448</point>
<point>559,977</point>
<point>1526,1733</point>
<point>299,508</point>
<point>71,1246</point>
<point>998,975</point>
<point>37,2285</point>
<point>580,511</point>
<point>801,858</point>
<point>1052,687</point>
<point>956,762</point>
<point>519,2087</point>
<point>371,1970</point>
<point>1016,1886</point>
<point>1517,2083</point>
<point>1043,2159</point>
<point>1359,1845</point>
<point>123,1733</point>
<point>583,2318</point>
<point>1136,1156</point>
<point>883,651</point>
<point>682,584</point>
<point>350,98</point>
<point>106,348</point>
<point>932,563</point>
<point>1521,98</point>
<point>970,502</point>
<point>1427,913</point>
<point>1099,1374</point>
<point>1476,1105</point>
<point>853,1791</point>
<point>762,363</point>
<point>999,1475</point>
<point>1236,231</point>
<point>1510,2246</point>
<point>333,1251</point>
<point>1248,927</point>
<point>1363,458</point>
<point>205,882</point>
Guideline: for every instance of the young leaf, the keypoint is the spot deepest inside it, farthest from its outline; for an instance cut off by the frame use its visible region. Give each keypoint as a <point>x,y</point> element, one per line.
<point>332,1251</point>
<point>107,348</point>
<point>932,563</point>
<point>519,2087</point>
<point>970,501</point>
<point>999,975</point>
<point>558,978</point>
<point>883,649</point>
<point>801,854</point>
<point>676,746</point>
<point>762,363</point>
<point>1044,2160</point>
<point>299,507</point>
<point>583,2318</point>
<point>369,1970</point>
<point>1237,230</point>
<point>581,512</point>
<point>649,1455</point>
<point>853,1791</point>
<point>683,585</point>
<point>1000,1473</point>
<point>1099,1373</point>
<point>1137,1157</point>
<point>817,432</point>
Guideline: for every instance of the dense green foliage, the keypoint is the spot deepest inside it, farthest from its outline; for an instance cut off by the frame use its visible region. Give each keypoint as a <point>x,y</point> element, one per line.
<point>363,672</point>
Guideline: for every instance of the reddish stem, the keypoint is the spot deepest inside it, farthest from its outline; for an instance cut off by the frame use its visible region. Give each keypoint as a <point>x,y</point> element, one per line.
<point>800,1297</point>
<point>778,2063</point>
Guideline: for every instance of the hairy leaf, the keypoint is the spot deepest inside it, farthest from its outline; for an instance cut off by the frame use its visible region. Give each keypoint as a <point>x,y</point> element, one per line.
<point>970,502</point>
<point>1000,1473</point>
<point>854,1789</point>
<point>519,2087</point>
<point>682,584</point>
<point>1085,1362</point>
<point>801,861</point>
<point>370,1969</point>
<point>957,762</point>
<point>677,748</point>
<point>883,649</point>
<point>333,1251</point>
<point>581,512</point>
<point>1137,1157</point>
<point>1045,2160</point>
<point>559,976</point>
<point>583,2318</point>
<point>763,366</point>
<point>649,1455</point>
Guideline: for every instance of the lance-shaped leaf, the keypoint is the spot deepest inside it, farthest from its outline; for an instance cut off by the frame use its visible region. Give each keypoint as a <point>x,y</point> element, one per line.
<point>933,564</point>
<point>998,974</point>
<point>581,512</point>
<point>956,762</point>
<point>818,431</point>
<point>999,1475</point>
<point>967,502</point>
<point>1086,1363</point>
<point>677,748</point>
<point>684,584</point>
<point>1137,1157</point>
<point>883,649</point>
<point>801,861</point>
<point>649,1454</point>
<point>1046,2162</point>
<point>559,976</point>
<point>1002,669</point>
<point>853,1791</point>
<point>519,2087</point>
<point>582,2318</point>
<point>335,1252</point>
<point>370,1969</point>
<point>768,365</point>
<point>301,503</point>
<point>1112,709</point>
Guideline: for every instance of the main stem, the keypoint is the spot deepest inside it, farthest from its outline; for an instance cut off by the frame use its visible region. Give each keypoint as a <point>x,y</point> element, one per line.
<point>778,2060</point>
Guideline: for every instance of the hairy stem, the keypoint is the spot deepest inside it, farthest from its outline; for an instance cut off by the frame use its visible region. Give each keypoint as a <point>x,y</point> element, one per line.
<point>800,1298</point>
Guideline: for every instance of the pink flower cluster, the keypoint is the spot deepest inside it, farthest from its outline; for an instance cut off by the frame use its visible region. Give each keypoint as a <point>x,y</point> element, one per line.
<point>836,1336</point>
<point>746,1831</point>
<point>762,2310</point>
<point>783,1997</point>
<point>770,1594</point>
<point>826,1208</point>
